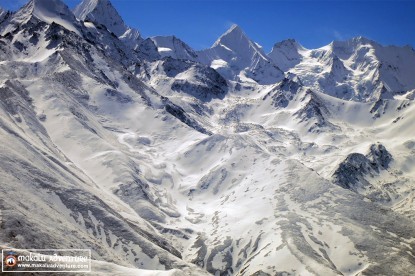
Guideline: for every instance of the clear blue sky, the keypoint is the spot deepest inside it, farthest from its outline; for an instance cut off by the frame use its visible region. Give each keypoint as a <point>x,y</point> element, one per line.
<point>312,23</point>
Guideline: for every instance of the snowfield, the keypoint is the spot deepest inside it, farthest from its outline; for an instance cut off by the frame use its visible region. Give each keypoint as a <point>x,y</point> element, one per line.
<point>227,161</point>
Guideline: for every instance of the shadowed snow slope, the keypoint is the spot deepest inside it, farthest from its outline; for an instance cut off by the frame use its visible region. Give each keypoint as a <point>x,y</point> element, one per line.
<point>167,161</point>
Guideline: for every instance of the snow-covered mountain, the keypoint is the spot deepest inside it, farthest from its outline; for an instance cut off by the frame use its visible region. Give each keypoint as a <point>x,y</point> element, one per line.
<point>103,13</point>
<point>286,54</point>
<point>237,57</point>
<point>226,161</point>
<point>358,69</point>
<point>43,10</point>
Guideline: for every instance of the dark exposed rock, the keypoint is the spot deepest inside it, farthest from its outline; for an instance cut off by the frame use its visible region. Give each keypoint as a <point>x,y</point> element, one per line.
<point>352,173</point>
<point>314,112</point>
<point>180,114</point>
<point>284,92</point>
<point>225,249</point>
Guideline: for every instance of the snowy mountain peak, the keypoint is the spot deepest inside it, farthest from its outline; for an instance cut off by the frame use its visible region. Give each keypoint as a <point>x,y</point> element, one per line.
<point>352,45</point>
<point>49,8</point>
<point>290,42</point>
<point>54,11</point>
<point>234,32</point>
<point>362,40</point>
<point>237,57</point>
<point>286,54</point>
<point>358,40</point>
<point>104,13</point>
<point>44,10</point>
<point>236,40</point>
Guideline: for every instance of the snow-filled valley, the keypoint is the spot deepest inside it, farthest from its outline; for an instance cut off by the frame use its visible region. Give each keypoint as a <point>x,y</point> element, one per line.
<point>164,160</point>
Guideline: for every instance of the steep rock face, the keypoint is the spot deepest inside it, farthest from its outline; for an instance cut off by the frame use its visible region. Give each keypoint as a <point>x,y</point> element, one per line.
<point>284,92</point>
<point>236,57</point>
<point>380,156</point>
<point>355,171</point>
<point>171,46</point>
<point>181,114</point>
<point>148,50</point>
<point>314,113</point>
<point>102,12</point>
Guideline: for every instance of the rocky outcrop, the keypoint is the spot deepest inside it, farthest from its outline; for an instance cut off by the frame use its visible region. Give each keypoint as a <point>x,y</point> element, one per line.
<point>355,171</point>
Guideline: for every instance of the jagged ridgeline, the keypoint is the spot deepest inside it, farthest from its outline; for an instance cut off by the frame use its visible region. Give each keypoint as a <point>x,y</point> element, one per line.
<point>165,160</point>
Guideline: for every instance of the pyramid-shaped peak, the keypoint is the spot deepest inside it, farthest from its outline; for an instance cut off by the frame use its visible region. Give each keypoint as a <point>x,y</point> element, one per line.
<point>49,11</point>
<point>233,31</point>
<point>233,35</point>
<point>101,12</point>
